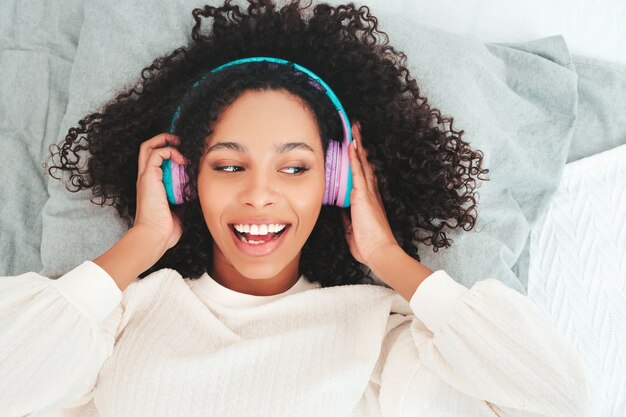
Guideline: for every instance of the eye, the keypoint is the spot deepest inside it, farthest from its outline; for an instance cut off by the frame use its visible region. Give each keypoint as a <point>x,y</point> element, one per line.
<point>226,166</point>
<point>302,170</point>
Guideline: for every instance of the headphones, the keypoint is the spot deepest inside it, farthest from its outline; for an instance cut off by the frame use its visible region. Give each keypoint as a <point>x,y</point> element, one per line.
<point>338,171</point>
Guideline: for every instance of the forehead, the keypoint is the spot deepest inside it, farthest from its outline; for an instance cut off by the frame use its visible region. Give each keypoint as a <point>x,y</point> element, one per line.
<point>273,118</point>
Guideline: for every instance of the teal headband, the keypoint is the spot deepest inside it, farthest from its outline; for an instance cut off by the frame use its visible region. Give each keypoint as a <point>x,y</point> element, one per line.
<point>329,92</point>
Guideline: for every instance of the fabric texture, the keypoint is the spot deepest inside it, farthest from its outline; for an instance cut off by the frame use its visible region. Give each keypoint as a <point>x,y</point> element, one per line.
<point>578,268</point>
<point>167,346</point>
<point>601,122</point>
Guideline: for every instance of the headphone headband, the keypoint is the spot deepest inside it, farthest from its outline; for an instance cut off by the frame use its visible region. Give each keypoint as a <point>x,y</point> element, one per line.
<point>329,92</point>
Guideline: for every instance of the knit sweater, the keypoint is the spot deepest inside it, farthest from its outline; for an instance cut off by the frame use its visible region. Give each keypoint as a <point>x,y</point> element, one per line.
<point>168,346</point>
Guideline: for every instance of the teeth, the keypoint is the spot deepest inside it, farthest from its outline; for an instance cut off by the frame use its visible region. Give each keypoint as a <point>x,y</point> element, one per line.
<point>255,242</point>
<point>262,229</point>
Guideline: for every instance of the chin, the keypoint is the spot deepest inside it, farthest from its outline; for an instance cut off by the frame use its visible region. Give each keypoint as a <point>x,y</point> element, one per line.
<point>257,268</point>
<point>260,270</point>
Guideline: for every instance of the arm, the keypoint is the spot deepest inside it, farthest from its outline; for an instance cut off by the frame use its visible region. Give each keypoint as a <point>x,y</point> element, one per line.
<point>56,334</point>
<point>487,350</point>
<point>137,251</point>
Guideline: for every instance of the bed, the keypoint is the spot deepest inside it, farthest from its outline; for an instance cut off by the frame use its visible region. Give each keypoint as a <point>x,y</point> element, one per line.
<point>540,87</point>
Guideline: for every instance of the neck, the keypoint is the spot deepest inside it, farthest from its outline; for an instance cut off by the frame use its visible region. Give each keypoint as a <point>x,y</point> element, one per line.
<point>225,274</point>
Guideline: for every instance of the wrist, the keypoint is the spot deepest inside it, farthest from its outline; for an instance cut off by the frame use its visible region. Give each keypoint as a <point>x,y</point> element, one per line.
<point>137,251</point>
<point>154,241</point>
<point>399,270</point>
<point>380,259</point>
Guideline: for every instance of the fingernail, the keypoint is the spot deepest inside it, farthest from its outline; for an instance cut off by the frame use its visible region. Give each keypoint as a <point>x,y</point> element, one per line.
<point>354,143</point>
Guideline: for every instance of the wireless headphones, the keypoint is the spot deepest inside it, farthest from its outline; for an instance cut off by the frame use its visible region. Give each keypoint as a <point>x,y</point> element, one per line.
<point>338,171</point>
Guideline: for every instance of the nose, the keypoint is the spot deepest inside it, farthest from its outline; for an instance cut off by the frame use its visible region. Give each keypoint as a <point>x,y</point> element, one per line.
<point>259,191</point>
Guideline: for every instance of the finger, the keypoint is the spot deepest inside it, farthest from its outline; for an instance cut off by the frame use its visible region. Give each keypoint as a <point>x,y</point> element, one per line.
<point>358,176</point>
<point>157,141</point>
<point>157,156</point>
<point>146,148</point>
<point>368,171</point>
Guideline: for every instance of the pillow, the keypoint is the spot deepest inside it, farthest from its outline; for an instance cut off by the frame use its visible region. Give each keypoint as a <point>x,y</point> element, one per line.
<point>601,121</point>
<point>515,102</point>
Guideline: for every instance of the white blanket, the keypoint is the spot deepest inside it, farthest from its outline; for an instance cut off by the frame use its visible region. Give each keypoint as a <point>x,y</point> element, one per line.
<point>577,271</point>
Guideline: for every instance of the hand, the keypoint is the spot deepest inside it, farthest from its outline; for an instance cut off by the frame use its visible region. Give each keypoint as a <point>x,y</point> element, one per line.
<point>153,211</point>
<point>367,229</point>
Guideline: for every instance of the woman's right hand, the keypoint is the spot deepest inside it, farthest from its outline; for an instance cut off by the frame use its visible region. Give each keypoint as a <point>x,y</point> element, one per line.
<point>153,211</point>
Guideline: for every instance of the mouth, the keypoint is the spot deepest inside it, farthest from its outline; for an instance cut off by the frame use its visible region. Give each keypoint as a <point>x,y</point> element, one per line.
<point>256,245</point>
<point>247,237</point>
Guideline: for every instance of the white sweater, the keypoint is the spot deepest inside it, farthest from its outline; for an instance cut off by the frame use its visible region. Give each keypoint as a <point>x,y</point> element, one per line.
<point>168,346</point>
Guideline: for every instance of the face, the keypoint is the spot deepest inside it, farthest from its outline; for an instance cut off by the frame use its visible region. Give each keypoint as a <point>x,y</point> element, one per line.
<point>252,172</point>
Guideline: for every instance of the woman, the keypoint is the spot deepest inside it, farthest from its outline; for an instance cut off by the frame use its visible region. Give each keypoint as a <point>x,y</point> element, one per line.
<point>250,298</point>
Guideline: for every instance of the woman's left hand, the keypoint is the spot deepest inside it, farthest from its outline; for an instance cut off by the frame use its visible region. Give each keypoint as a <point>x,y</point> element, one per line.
<point>367,229</point>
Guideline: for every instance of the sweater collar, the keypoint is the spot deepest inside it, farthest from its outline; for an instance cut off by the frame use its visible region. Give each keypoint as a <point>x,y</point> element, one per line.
<point>205,286</point>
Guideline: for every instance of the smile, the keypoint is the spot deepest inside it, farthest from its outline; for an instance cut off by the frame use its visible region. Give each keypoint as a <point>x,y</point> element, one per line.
<point>258,245</point>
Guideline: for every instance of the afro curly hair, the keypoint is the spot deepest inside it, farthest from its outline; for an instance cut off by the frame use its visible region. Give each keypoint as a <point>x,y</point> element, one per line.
<point>423,167</point>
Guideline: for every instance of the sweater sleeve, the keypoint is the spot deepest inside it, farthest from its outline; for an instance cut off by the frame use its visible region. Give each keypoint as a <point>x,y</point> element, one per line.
<point>484,351</point>
<point>55,336</point>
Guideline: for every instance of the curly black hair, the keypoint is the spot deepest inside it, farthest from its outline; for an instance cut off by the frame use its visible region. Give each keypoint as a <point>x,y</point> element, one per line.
<point>423,167</point>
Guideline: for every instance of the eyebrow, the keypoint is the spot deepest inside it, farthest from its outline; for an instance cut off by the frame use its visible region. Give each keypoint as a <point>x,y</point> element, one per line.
<point>280,148</point>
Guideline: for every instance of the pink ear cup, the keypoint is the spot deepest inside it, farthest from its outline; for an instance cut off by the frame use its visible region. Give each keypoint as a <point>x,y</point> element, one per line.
<point>179,177</point>
<point>343,185</point>
<point>330,173</point>
<point>338,172</point>
<point>342,165</point>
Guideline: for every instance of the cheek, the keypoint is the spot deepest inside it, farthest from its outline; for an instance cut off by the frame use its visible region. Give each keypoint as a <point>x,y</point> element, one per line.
<point>306,197</point>
<point>211,204</point>
<point>306,201</point>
